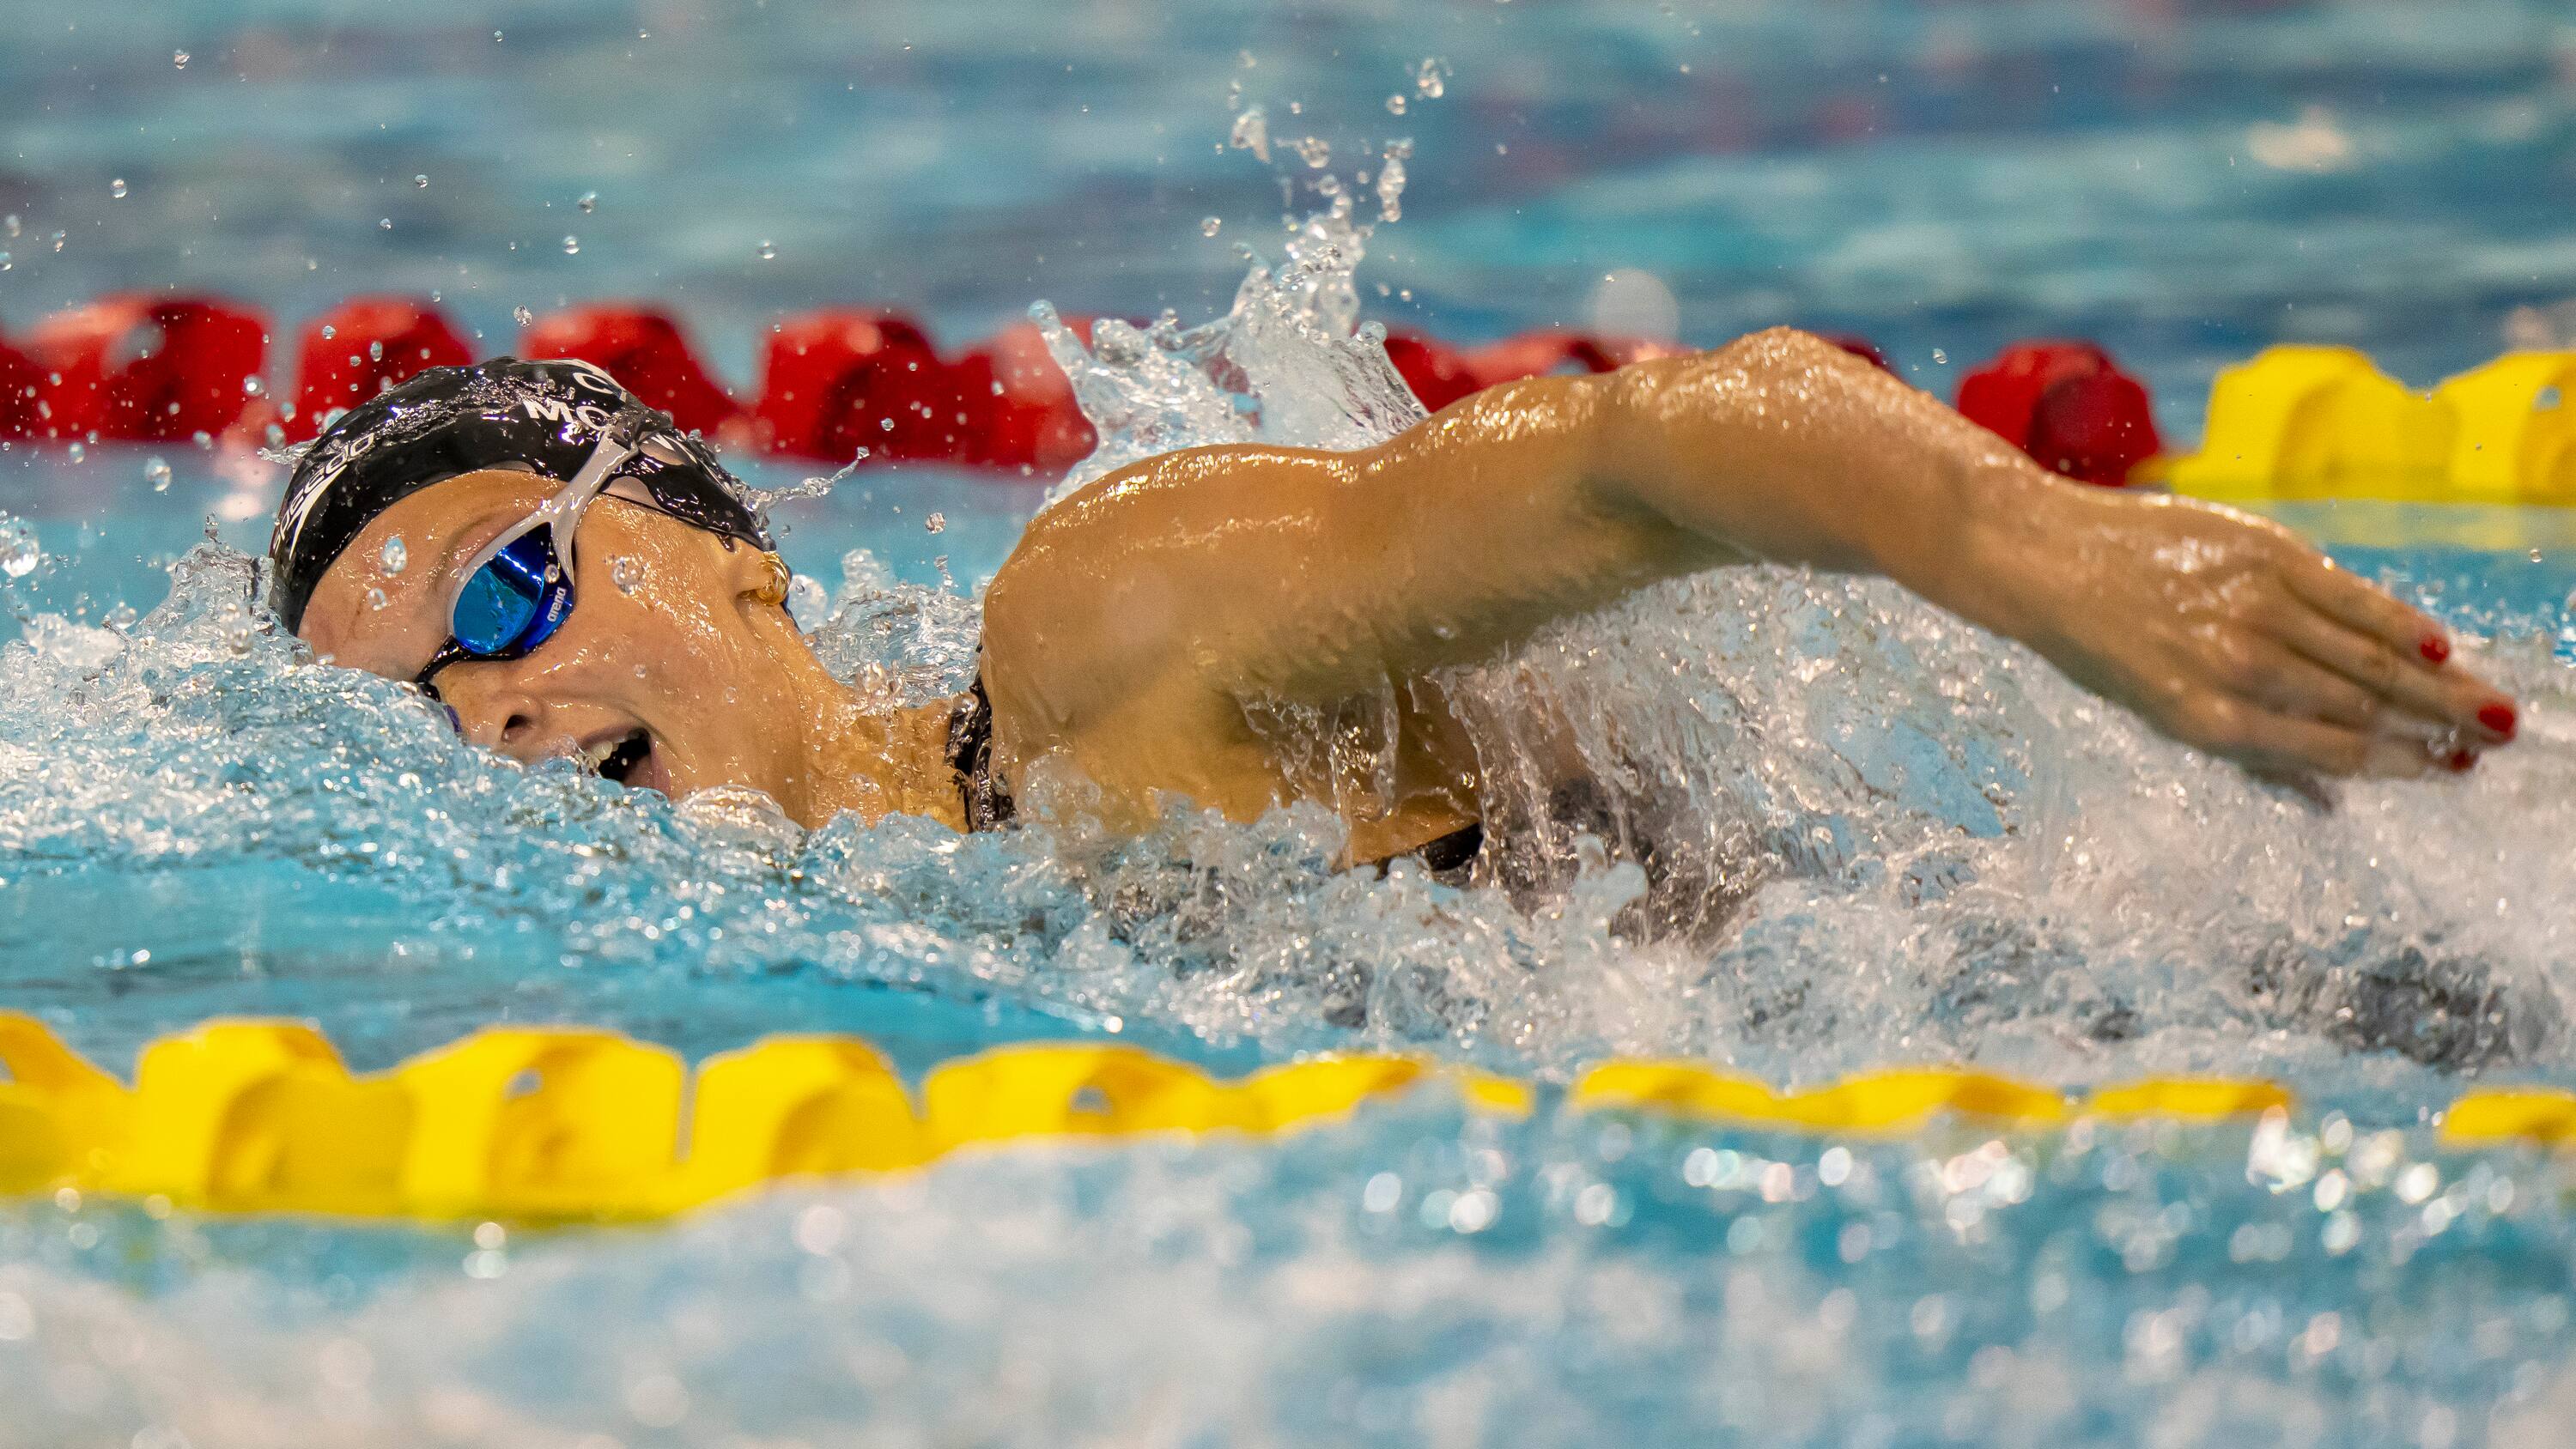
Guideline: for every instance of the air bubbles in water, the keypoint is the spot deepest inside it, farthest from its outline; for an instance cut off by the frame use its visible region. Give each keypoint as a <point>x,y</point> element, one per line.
<point>375,598</point>
<point>1395,104</point>
<point>179,58</point>
<point>1210,226</point>
<point>626,571</point>
<point>78,452</point>
<point>421,181</point>
<point>572,245</point>
<point>768,250</point>
<point>156,471</point>
<point>116,188</point>
<point>1431,78</point>
<point>394,557</point>
<point>1315,151</point>
<point>588,203</point>
<point>522,316</point>
<point>935,523</point>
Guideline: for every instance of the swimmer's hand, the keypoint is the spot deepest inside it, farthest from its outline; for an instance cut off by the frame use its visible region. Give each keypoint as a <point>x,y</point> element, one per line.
<point>2230,634</point>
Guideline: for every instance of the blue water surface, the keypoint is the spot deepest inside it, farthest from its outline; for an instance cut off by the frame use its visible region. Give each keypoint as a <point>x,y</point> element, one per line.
<point>1945,853</point>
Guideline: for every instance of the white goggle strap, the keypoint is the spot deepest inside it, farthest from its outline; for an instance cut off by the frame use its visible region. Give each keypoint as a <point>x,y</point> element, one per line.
<point>616,444</point>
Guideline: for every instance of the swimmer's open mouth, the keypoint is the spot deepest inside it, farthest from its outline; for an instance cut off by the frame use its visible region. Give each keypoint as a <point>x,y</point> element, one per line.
<point>625,760</point>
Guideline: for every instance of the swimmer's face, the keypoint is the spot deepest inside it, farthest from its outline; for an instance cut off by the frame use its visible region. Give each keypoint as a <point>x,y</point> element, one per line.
<point>670,682</point>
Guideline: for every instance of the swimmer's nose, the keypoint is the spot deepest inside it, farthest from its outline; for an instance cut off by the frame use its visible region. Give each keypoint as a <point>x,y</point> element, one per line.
<point>499,719</point>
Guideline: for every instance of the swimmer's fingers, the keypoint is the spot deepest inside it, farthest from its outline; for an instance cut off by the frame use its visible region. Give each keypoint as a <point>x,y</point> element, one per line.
<point>2366,609</point>
<point>2279,678</point>
<point>2269,742</point>
<point>2443,696</point>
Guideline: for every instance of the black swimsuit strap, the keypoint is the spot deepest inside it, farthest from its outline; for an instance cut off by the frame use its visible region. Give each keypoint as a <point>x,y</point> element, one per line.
<point>1450,858</point>
<point>970,754</point>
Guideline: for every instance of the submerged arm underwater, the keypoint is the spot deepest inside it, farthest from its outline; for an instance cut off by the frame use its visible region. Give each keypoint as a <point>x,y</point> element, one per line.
<point>1143,616</point>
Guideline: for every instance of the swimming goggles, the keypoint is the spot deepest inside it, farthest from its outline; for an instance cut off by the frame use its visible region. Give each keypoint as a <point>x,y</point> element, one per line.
<point>518,588</point>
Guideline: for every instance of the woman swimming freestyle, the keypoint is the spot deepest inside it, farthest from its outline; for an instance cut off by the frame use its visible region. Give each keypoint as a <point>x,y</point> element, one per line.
<point>1138,621</point>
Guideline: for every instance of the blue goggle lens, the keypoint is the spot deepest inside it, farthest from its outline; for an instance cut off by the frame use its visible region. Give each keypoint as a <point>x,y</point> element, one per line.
<point>504,607</point>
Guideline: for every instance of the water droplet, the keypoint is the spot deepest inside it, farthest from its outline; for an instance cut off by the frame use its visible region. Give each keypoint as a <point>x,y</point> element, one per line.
<point>254,385</point>
<point>935,523</point>
<point>1211,226</point>
<point>589,202</point>
<point>5,263</point>
<point>19,554</point>
<point>768,250</point>
<point>1251,133</point>
<point>2535,555</point>
<point>78,452</point>
<point>625,571</point>
<point>156,471</point>
<point>572,246</point>
<point>522,316</point>
<point>179,58</point>
<point>395,556</point>
<point>1391,179</point>
<point>886,423</point>
<point>375,598</point>
<point>808,603</point>
<point>384,223</point>
<point>1431,78</point>
<point>1940,358</point>
<point>116,187</point>
<point>1395,104</point>
<point>329,331</point>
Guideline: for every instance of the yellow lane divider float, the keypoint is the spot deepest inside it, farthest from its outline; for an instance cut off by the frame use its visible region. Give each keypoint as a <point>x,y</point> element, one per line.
<point>2325,422</point>
<point>559,1122</point>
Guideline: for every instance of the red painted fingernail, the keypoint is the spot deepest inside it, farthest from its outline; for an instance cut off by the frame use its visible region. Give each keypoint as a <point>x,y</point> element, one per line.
<point>2435,648</point>
<point>2497,717</point>
<point>2460,761</point>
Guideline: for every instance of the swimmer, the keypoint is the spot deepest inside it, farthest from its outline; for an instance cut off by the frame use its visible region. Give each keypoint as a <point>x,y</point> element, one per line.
<point>578,578</point>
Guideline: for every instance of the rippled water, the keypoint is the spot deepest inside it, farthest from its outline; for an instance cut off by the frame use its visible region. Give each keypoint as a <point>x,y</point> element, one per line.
<point>1885,837</point>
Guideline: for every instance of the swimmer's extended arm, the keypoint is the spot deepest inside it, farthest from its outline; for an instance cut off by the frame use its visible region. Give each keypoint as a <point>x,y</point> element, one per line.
<point>1248,571</point>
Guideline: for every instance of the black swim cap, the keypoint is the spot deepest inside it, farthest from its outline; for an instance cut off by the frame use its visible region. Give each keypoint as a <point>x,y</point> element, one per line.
<point>449,421</point>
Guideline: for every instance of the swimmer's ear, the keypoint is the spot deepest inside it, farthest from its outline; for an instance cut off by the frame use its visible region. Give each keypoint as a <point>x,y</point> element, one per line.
<point>774,579</point>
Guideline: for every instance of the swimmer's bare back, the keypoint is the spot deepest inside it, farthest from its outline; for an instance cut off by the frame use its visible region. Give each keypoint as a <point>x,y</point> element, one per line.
<point>1141,619</point>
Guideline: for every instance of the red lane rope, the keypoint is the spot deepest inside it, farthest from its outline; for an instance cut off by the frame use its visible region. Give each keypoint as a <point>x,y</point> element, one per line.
<point>136,368</point>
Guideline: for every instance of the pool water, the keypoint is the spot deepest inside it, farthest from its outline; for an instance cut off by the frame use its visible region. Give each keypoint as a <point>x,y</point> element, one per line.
<point>1908,842</point>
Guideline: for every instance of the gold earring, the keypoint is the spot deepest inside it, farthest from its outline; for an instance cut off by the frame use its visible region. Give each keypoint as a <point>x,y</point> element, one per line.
<point>775,591</point>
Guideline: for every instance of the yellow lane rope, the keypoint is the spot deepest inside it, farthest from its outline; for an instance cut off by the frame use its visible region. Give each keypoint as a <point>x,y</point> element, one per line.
<point>568,1122</point>
<point>2300,422</point>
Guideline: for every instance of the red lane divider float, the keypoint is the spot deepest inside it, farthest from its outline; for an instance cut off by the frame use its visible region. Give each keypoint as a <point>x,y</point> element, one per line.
<point>837,381</point>
<point>641,348</point>
<point>360,348</point>
<point>2066,404</point>
<point>145,368</point>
